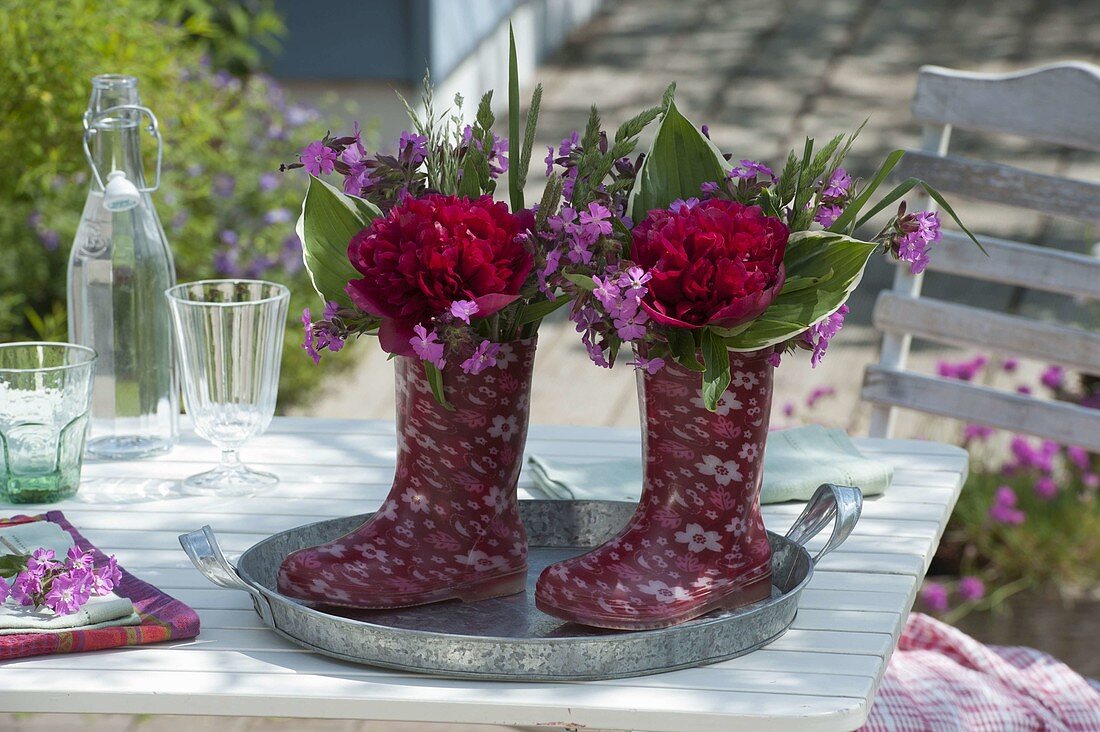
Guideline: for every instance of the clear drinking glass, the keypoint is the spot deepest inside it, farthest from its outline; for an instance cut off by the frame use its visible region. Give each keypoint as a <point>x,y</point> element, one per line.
<point>230,339</point>
<point>45,392</point>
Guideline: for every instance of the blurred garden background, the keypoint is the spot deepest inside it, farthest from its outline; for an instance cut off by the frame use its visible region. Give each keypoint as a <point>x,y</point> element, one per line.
<point>240,86</point>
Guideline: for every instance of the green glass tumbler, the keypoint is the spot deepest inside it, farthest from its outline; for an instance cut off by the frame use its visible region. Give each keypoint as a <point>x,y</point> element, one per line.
<point>45,394</point>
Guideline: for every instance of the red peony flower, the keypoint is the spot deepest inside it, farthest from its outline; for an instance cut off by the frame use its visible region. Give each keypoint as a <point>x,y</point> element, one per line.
<point>431,251</point>
<point>715,263</point>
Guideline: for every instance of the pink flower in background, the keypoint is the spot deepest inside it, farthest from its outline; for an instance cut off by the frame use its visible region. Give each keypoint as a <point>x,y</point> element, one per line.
<point>1004,510</point>
<point>318,158</point>
<point>1010,365</point>
<point>1091,480</point>
<point>1054,377</point>
<point>1079,456</point>
<point>788,409</point>
<point>427,346</point>
<point>934,596</point>
<point>818,394</point>
<point>1046,488</point>
<point>973,432</point>
<point>5,591</point>
<point>962,370</point>
<point>971,589</point>
<point>1023,389</point>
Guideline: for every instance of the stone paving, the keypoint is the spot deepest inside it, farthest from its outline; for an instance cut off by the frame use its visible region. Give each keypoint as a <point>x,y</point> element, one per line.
<point>763,74</point>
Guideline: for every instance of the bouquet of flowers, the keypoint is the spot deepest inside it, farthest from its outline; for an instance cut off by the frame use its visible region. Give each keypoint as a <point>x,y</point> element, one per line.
<point>683,253</point>
<point>41,580</point>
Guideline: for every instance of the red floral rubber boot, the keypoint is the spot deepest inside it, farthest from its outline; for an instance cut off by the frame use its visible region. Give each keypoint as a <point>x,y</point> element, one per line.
<point>450,526</point>
<point>696,542</point>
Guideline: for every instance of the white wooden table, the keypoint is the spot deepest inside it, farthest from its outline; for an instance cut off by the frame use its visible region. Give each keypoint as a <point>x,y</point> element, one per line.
<point>821,675</point>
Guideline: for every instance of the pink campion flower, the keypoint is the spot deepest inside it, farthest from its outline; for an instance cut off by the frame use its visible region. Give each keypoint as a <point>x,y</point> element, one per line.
<point>427,346</point>
<point>649,365</point>
<point>1023,389</point>
<point>819,335</point>
<point>106,578</point>
<point>971,588</point>
<point>1046,488</point>
<point>607,292</point>
<point>595,353</point>
<point>40,562</point>
<point>68,592</point>
<point>774,359</point>
<point>709,188</point>
<point>916,232</point>
<point>25,588</point>
<point>838,185</point>
<point>934,596</point>
<point>412,147</point>
<point>78,559</point>
<point>1053,377</point>
<point>681,204</point>
<point>1004,510</point>
<point>1010,365</point>
<point>5,590</point>
<point>631,327</point>
<point>827,213</point>
<point>634,282</point>
<point>308,342</point>
<point>962,370</point>
<point>595,222</point>
<point>318,158</point>
<point>751,169</point>
<point>484,357</point>
<point>463,309</point>
<point>1079,456</point>
<point>980,432</point>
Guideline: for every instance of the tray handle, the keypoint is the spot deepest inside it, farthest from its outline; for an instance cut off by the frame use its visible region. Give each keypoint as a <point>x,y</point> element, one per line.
<point>836,504</point>
<point>202,548</point>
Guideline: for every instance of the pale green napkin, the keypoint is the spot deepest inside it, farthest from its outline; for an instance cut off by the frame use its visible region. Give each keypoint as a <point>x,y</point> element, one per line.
<point>100,612</point>
<point>796,462</point>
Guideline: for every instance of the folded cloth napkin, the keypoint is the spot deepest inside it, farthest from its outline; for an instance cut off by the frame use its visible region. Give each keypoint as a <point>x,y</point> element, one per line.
<point>796,462</point>
<point>941,679</point>
<point>108,623</point>
<point>99,612</point>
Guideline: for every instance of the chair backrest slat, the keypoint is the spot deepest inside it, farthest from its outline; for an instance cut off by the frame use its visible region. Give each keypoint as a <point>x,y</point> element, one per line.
<point>1067,424</point>
<point>1013,263</point>
<point>1005,184</point>
<point>970,327</point>
<point>1059,103</point>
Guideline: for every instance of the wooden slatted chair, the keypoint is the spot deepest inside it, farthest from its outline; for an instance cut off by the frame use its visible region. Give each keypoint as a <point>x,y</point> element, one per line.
<point>1057,104</point>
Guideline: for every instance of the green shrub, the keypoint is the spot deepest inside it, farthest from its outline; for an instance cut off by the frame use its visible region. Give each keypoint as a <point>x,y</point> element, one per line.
<point>225,208</point>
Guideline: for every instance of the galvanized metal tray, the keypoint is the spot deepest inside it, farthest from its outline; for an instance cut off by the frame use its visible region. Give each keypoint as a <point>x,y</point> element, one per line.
<point>508,638</point>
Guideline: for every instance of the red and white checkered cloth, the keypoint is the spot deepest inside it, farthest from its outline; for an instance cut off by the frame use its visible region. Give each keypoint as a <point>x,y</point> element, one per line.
<point>941,679</point>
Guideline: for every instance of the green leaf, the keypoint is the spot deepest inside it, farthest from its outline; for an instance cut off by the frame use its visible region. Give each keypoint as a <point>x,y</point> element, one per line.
<point>12,564</point>
<point>716,377</point>
<point>935,196</point>
<point>435,381</point>
<point>329,220</point>
<point>895,193</point>
<point>682,345</point>
<point>515,184</point>
<point>836,260</point>
<point>470,185</point>
<point>851,211</point>
<point>539,310</point>
<point>582,281</point>
<point>679,162</point>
